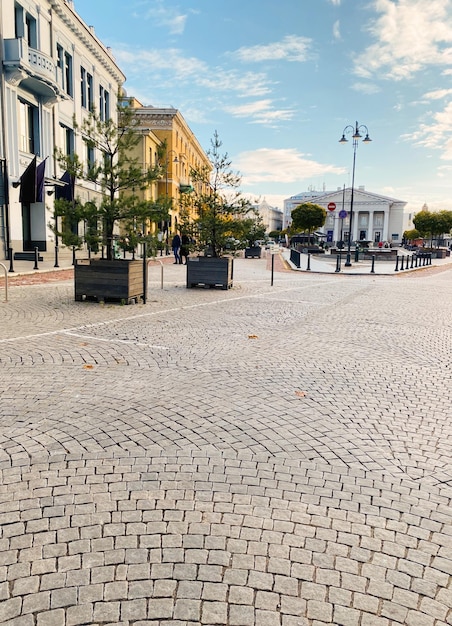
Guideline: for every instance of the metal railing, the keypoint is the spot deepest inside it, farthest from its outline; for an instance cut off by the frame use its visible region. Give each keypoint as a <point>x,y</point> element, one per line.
<point>408,262</point>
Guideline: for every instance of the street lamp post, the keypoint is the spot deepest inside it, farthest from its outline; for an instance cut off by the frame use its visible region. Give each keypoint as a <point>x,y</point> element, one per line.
<point>355,137</point>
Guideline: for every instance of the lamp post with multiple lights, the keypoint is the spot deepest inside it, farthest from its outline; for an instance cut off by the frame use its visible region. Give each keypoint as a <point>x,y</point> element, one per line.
<point>355,137</point>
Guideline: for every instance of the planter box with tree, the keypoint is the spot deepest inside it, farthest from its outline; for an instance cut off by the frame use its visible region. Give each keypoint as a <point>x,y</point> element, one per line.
<point>213,220</point>
<point>119,176</point>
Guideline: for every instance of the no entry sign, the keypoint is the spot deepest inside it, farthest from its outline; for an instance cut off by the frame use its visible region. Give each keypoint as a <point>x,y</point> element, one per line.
<point>331,206</point>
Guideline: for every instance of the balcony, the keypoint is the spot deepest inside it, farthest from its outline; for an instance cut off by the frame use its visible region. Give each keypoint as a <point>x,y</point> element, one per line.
<point>32,69</point>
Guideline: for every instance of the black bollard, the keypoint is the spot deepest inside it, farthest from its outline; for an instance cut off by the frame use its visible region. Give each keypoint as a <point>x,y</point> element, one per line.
<point>35,267</point>
<point>56,256</point>
<point>396,264</point>
<point>402,266</point>
<point>11,259</point>
<point>73,255</point>
<point>356,254</point>
<point>309,263</point>
<point>338,263</point>
<point>412,261</point>
<point>372,269</point>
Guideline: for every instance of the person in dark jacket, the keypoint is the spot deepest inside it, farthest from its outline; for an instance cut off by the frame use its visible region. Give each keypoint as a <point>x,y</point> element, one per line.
<point>175,246</point>
<point>185,248</point>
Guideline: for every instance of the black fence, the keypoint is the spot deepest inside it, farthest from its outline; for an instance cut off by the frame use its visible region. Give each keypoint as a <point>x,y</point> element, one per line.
<point>412,261</point>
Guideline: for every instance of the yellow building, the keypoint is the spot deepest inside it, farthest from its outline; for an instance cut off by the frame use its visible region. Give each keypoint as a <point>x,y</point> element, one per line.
<point>168,141</point>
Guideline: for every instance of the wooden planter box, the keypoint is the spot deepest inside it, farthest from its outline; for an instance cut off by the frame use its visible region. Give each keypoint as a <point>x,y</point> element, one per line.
<point>203,271</point>
<point>253,252</point>
<point>102,280</point>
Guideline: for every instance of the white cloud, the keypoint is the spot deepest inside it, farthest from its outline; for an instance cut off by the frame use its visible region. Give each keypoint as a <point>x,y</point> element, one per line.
<point>168,17</point>
<point>169,65</point>
<point>410,35</point>
<point>248,84</point>
<point>336,3</point>
<point>337,30</point>
<point>369,88</point>
<point>437,134</point>
<point>261,112</point>
<point>438,94</point>
<point>291,48</point>
<point>280,166</point>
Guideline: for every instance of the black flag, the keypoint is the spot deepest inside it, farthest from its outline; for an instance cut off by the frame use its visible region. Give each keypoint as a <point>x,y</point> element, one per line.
<point>40,173</point>
<point>28,184</point>
<point>66,192</point>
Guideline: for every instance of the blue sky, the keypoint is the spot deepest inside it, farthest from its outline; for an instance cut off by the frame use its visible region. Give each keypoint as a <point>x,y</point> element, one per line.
<point>281,79</point>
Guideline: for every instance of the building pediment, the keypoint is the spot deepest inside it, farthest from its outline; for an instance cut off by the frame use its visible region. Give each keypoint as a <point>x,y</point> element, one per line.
<point>361,197</point>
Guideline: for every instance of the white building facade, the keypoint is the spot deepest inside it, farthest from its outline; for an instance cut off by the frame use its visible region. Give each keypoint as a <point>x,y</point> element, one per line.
<point>375,218</point>
<point>271,216</point>
<point>53,70</point>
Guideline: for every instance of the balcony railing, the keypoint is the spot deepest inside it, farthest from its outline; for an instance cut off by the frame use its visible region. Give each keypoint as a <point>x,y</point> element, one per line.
<point>22,62</point>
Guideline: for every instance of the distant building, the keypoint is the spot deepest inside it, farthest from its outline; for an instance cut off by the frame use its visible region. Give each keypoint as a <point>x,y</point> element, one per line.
<point>271,216</point>
<point>375,217</point>
<point>167,140</point>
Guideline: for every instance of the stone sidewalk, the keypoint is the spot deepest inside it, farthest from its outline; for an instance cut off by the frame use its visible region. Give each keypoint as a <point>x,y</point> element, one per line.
<point>267,455</point>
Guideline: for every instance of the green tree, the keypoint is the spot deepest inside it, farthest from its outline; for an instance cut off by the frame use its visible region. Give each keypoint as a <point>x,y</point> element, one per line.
<point>253,228</point>
<point>119,175</point>
<point>444,222</point>
<point>307,217</point>
<point>218,204</point>
<point>412,234</point>
<point>433,224</point>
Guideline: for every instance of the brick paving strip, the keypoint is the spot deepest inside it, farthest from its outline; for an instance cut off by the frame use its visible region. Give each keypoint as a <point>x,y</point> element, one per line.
<point>284,460</point>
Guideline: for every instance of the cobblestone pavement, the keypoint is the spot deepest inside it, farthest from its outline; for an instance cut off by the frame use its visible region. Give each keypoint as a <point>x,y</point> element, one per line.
<point>268,455</point>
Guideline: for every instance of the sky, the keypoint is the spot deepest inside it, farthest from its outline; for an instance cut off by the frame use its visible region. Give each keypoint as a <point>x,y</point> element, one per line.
<point>280,81</point>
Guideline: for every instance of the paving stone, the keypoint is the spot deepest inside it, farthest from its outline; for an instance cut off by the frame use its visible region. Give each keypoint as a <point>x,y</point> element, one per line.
<point>227,498</point>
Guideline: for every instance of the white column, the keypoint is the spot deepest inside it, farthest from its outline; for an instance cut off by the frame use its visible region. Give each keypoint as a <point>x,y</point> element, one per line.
<point>337,226</point>
<point>370,229</point>
<point>355,225</point>
<point>386,224</point>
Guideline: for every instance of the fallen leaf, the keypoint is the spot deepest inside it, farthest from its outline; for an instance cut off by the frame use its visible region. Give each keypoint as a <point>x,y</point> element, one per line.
<point>88,367</point>
<point>253,337</point>
<point>300,394</point>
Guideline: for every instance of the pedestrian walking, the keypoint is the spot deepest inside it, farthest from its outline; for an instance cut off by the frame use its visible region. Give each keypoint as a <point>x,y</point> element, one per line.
<point>175,245</point>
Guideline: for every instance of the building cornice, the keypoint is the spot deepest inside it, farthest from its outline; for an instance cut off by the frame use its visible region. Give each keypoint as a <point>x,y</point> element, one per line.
<point>86,36</point>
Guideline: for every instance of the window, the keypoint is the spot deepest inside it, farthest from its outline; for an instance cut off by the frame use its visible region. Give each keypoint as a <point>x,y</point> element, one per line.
<point>104,104</point>
<point>67,140</point>
<point>379,219</point>
<point>90,156</point>
<point>28,127</point>
<point>86,89</point>
<point>64,63</point>
<point>25,26</point>
<point>31,33</point>
<point>83,86</point>
<point>89,88</point>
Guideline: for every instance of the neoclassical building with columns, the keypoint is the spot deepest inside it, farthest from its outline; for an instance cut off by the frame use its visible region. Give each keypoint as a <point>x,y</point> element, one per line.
<point>375,217</point>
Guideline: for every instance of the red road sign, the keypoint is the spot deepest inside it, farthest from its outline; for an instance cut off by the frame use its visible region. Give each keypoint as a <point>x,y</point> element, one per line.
<point>331,206</point>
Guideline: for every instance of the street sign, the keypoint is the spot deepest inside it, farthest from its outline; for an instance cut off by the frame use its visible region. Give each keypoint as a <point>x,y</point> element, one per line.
<point>331,206</point>
<point>342,214</point>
